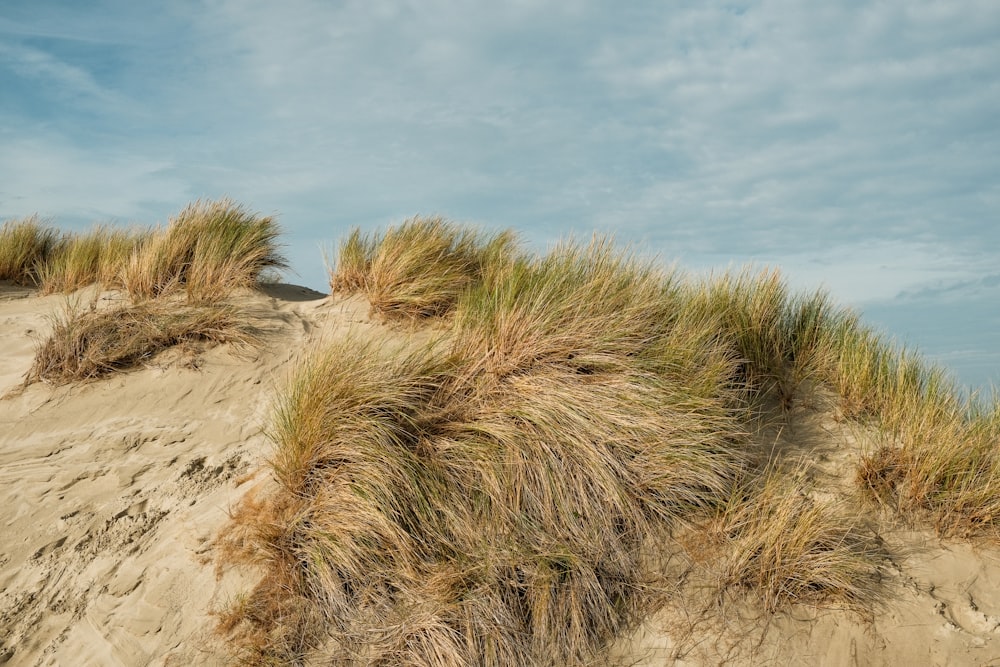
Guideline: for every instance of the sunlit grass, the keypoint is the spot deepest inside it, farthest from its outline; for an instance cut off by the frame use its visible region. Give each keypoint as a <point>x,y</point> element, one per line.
<point>490,498</point>
<point>176,279</point>
<point>777,545</point>
<point>207,251</point>
<point>25,246</point>
<point>94,257</point>
<point>88,343</point>
<point>416,269</point>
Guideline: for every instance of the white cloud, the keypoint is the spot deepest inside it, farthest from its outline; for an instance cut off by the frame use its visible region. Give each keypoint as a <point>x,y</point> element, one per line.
<point>47,176</point>
<point>836,139</point>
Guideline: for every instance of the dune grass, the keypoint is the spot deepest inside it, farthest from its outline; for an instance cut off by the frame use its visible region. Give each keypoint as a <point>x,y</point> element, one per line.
<point>937,457</point>
<point>94,257</point>
<point>938,451</point>
<point>506,495</point>
<point>87,343</point>
<point>417,269</point>
<point>25,246</point>
<point>207,251</point>
<point>421,522</point>
<point>211,249</point>
<point>776,543</point>
<point>782,339</point>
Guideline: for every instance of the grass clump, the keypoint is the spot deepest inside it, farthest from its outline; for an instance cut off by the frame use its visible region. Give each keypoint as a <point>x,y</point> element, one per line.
<point>782,339</point>
<point>777,544</point>
<point>89,343</point>
<point>94,257</point>
<point>937,452</point>
<point>419,522</point>
<point>504,495</point>
<point>207,251</point>
<point>583,306</point>
<point>417,269</point>
<point>25,246</point>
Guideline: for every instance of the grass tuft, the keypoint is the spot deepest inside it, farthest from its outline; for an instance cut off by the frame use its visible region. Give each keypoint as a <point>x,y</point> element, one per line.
<point>492,498</point>
<point>25,246</point>
<point>89,343</point>
<point>208,250</point>
<point>419,268</point>
<point>937,452</point>
<point>778,545</point>
<point>782,340</point>
<point>94,257</point>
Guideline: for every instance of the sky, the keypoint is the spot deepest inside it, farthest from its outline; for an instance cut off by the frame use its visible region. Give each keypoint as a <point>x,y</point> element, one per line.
<point>853,145</point>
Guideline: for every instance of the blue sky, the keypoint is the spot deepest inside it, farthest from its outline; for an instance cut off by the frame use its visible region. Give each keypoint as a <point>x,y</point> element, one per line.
<point>855,145</point>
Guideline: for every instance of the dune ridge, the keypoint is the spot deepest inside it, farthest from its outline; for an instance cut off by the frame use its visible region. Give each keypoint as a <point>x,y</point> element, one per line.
<point>471,455</point>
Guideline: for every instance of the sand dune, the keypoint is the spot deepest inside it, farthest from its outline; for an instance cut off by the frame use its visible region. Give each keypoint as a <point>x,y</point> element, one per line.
<point>112,492</point>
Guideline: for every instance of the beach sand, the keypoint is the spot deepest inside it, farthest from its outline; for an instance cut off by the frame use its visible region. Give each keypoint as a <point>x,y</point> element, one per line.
<point>113,491</point>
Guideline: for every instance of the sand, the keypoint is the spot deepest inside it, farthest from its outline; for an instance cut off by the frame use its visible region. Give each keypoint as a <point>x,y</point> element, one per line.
<point>112,492</point>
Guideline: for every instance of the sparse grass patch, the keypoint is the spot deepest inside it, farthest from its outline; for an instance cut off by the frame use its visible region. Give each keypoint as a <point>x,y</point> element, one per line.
<point>89,343</point>
<point>352,263</point>
<point>939,452</point>
<point>209,250</point>
<point>419,268</point>
<point>25,246</point>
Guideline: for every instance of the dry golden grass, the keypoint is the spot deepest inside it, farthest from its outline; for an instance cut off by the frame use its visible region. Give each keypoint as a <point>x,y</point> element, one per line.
<point>776,544</point>
<point>939,455</point>
<point>491,498</point>
<point>419,268</point>
<point>87,343</point>
<point>97,256</point>
<point>782,339</point>
<point>25,246</point>
<point>208,250</point>
<point>424,529</point>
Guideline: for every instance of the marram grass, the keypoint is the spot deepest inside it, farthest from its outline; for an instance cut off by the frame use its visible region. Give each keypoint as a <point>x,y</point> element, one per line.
<point>25,247</point>
<point>210,249</point>
<point>207,251</point>
<point>94,257</point>
<point>417,269</point>
<point>499,497</point>
<point>415,511</point>
<point>87,343</point>
<point>493,498</point>
<point>776,544</point>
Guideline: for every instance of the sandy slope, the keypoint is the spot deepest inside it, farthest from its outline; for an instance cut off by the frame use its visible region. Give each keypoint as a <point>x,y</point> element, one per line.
<point>111,494</point>
<point>944,610</point>
<point>941,597</point>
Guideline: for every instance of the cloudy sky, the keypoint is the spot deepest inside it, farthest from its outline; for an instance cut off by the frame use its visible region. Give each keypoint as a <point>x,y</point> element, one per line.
<point>855,145</point>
